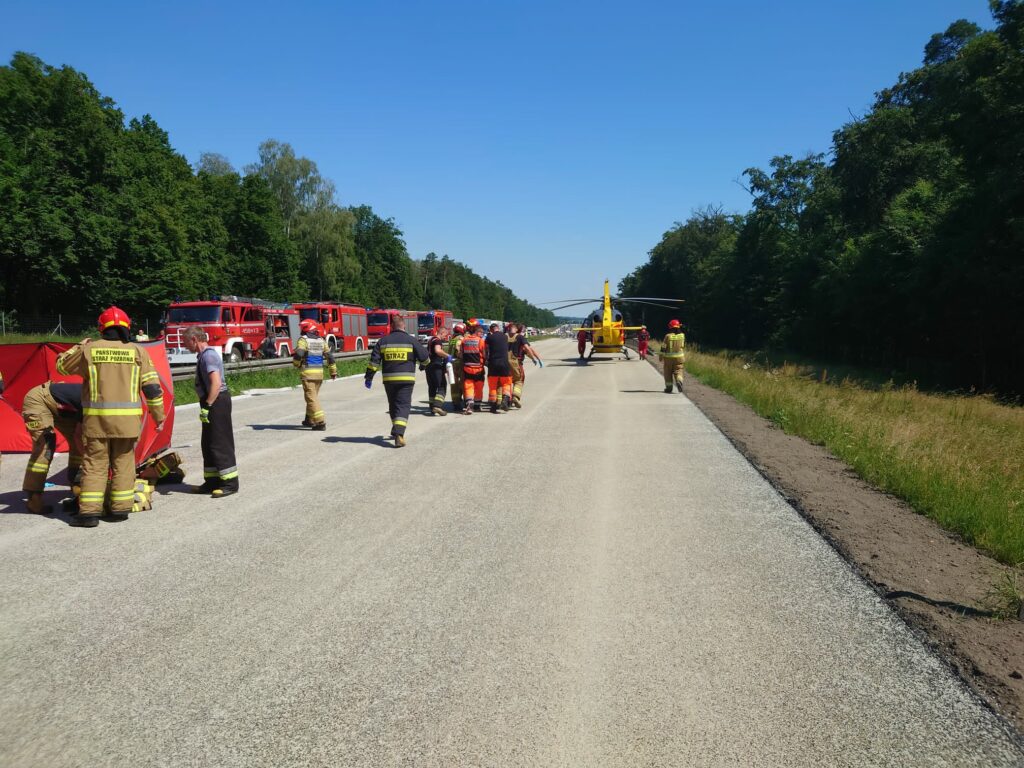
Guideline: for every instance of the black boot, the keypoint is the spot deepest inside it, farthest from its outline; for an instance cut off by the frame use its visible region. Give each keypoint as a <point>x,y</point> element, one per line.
<point>84,521</point>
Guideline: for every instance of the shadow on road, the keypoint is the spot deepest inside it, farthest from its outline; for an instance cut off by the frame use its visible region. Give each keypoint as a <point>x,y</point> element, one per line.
<point>13,503</point>
<point>380,440</point>
<point>286,427</point>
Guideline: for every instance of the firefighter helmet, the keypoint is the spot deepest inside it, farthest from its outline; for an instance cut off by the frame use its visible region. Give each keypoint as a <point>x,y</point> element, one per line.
<point>459,328</point>
<point>674,324</point>
<point>113,317</point>
<point>472,322</point>
<point>307,325</point>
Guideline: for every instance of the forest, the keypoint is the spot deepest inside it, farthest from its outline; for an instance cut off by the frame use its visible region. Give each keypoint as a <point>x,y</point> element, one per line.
<point>98,210</point>
<point>900,248</point>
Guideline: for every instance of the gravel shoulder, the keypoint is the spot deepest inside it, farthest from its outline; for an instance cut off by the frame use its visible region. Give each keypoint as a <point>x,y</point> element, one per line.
<point>933,580</point>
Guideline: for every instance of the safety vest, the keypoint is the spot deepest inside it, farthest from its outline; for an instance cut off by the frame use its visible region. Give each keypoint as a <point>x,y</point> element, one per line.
<point>472,353</point>
<point>672,346</point>
<point>312,362</point>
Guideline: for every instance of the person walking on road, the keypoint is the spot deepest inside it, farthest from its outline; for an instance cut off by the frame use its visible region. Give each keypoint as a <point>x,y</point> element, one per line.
<point>437,384</point>
<point>48,409</point>
<point>471,357</point>
<point>116,376</point>
<point>672,356</point>
<point>220,470</point>
<point>455,355</point>
<point>643,338</point>
<point>499,369</point>
<point>396,356</point>
<point>581,342</point>
<point>311,355</point>
<point>519,350</point>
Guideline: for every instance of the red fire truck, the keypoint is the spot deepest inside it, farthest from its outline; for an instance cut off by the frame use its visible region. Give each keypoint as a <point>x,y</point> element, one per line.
<point>236,326</point>
<point>342,325</point>
<point>378,322</point>
<point>431,322</point>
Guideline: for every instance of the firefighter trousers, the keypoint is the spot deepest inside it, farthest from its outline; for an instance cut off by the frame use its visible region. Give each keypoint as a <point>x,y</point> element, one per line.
<point>218,445</point>
<point>518,379</point>
<point>399,402</point>
<point>437,385</point>
<point>38,410</point>
<point>311,391</point>
<point>106,458</point>
<point>457,386</point>
<point>673,369</point>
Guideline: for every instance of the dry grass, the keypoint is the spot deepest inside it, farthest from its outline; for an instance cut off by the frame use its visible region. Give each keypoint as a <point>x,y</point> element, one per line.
<point>959,460</point>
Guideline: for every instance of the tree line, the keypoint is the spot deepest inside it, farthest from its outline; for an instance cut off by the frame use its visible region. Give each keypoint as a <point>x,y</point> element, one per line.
<point>902,247</point>
<point>96,210</point>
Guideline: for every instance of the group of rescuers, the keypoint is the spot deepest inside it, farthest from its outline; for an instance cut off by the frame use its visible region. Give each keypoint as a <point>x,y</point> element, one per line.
<point>118,374</point>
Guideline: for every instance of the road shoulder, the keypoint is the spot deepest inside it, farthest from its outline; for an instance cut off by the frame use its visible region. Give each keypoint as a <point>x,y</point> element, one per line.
<point>934,581</point>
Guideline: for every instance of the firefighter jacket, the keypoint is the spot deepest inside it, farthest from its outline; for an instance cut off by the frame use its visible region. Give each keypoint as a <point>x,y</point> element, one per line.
<point>471,352</point>
<point>116,377</point>
<point>396,356</point>
<point>672,346</point>
<point>311,354</point>
<point>517,345</point>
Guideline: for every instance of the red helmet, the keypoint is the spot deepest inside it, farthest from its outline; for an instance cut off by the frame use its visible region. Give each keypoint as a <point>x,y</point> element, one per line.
<point>459,328</point>
<point>307,325</point>
<point>112,317</point>
<point>674,324</point>
<point>472,322</point>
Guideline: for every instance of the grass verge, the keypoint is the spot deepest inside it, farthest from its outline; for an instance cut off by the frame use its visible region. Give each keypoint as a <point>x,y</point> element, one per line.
<point>184,391</point>
<point>959,460</point>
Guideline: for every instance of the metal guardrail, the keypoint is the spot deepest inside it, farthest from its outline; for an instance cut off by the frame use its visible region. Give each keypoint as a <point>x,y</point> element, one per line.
<point>185,372</point>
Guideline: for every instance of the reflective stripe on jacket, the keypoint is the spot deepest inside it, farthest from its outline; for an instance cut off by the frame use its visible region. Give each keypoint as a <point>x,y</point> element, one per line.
<point>396,356</point>
<point>672,346</point>
<point>116,377</point>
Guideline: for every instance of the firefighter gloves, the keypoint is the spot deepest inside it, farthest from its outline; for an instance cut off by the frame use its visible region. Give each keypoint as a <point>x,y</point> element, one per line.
<point>367,383</point>
<point>204,414</point>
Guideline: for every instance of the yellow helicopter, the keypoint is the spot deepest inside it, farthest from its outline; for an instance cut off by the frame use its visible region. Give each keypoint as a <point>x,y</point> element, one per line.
<point>605,324</point>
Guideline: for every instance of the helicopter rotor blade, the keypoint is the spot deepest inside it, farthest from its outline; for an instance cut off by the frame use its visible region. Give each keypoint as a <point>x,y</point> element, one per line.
<point>643,298</point>
<point>559,301</point>
<point>574,304</point>
<point>654,304</point>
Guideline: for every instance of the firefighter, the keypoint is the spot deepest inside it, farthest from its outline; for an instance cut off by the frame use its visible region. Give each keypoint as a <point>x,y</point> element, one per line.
<point>581,342</point>
<point>672,356</point>
<point>454,345</point>
<point>116,376</point>
<point>396,356</point>
<point>311,355</point>
<point>519,350</point>
<point>499,370</point>
<point>643,338</point>
<point>437,385</point>
<point>47,409</point>
<point>471,356</point>
<point>220,470</point>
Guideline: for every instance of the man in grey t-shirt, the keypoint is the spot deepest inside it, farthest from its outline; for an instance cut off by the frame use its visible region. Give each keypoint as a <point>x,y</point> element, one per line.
<point>220,472</point>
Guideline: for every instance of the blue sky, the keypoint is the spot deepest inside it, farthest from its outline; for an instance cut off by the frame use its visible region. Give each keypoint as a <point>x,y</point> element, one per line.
<point>545,144</point>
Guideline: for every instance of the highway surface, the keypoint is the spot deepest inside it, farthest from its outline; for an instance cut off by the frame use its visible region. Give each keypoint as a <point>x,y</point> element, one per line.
<point>599,579</point>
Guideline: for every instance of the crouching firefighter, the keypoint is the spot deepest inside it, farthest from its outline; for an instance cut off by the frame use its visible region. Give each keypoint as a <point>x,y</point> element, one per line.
<point>49,409</point>
<point>396,356</point>
<point>116,376</point>
<point>311,355</point>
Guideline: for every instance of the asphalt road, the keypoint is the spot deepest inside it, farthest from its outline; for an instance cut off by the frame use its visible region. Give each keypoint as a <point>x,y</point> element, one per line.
<point>599,579</point>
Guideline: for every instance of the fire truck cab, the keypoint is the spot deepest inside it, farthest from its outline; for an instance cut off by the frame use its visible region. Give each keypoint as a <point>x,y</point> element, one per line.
<point>343,326</point>
<point>431,322</point>
<point>378,322</point>
<point>237,327</point>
